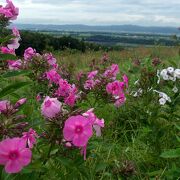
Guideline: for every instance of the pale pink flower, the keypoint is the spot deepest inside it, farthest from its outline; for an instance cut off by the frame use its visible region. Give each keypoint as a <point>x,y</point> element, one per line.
<point>14,155</point>
<point>6,50</point>
<point>50,58</point>
<point>4,106</point>
<point>53,76</point>
<point>29,53</point>
<point>92,74</point>
<point>14,65</point>
<point>77,130</point>
<point>96,122</point>
<point>115,88</point>
<point>30,137</point>
<point>16,32</point>
<point>14,44</point>
<point>50,107</point>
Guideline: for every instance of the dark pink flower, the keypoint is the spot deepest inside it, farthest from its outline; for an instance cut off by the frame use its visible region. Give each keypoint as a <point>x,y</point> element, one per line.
<point>6,50</point>
<point>78,130</point>
<point>115,88</point>
<point>53,76</point>
<point>14,155</point>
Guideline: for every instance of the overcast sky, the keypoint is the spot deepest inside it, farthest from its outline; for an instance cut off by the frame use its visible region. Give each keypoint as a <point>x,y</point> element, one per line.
<point>100,12</point>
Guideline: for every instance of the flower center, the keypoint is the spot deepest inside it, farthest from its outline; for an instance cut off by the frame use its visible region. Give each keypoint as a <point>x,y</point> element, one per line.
<point>13,155</point>
<point>78,129</point>
<point>48,103</point>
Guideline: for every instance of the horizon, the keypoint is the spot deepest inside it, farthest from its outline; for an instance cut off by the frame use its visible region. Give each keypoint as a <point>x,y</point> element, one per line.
<point>156,13</point>
<point>95,25</point>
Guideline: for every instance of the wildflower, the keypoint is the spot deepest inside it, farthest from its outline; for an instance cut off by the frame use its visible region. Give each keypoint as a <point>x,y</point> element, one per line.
<point>14,44</point>
<point>16,32</point>
<point>126,80</point>
<point>120,100</point>
<point>14,155</point>
<point>50,59</point>
<point>10,11</point>
<point>20,102</point>
<point>71,99</point>
<point>162,101</point>
<point>115,88</point>
<point>175,89</point>
<point>4,106</point>
<point>6,50</point>
<point>50,107</point>
<point>177,73</point>
<point>29,53</point>
<point>92,74</point>
<point>170,70</point>
<point>112,71</point>
<point>96,123</point>
<point>53,76</point>
<point>14,65</point>
<point>30,137</point>
<point>77,130</point>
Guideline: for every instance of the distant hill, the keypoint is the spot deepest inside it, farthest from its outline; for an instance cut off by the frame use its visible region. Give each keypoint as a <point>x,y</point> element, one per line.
<point>112,28</point>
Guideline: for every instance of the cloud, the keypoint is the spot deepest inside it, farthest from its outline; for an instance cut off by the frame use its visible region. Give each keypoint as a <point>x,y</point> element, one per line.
<point>141,12</point>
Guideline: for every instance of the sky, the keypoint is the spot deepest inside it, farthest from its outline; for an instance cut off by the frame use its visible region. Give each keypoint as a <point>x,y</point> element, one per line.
<point>99,12</point>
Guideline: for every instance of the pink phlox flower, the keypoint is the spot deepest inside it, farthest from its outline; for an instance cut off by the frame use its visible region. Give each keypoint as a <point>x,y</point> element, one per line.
<point>112,71</point>
<point>14,155</point>
<point>120,100</point>
<point>6,50</point>
<point>53,76</point>
<point>126,80</point>
<point>4,106</point>
<point>50,58</point>
<point>14,44</point>
<point>16,32</point>
<point>30,137</point>
<point>78,130</point>
<point>64,88</point>
<point>89,84</point>
<point>14,65</point>
<point>29,53</point>
<point>115,88</point>
<point>51,107</point>
<point>10,11</point>
<point>92,74</point>
<point>71,99</point>
<point>96,122</point>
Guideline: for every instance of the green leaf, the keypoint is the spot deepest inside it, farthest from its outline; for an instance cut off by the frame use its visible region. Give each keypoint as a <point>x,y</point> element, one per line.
<point>7,57</point>
<point>172,153</point>
<point>13,87</point>
<point>101,166</point>
<point>6,39</point>
<point>15,73</point>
